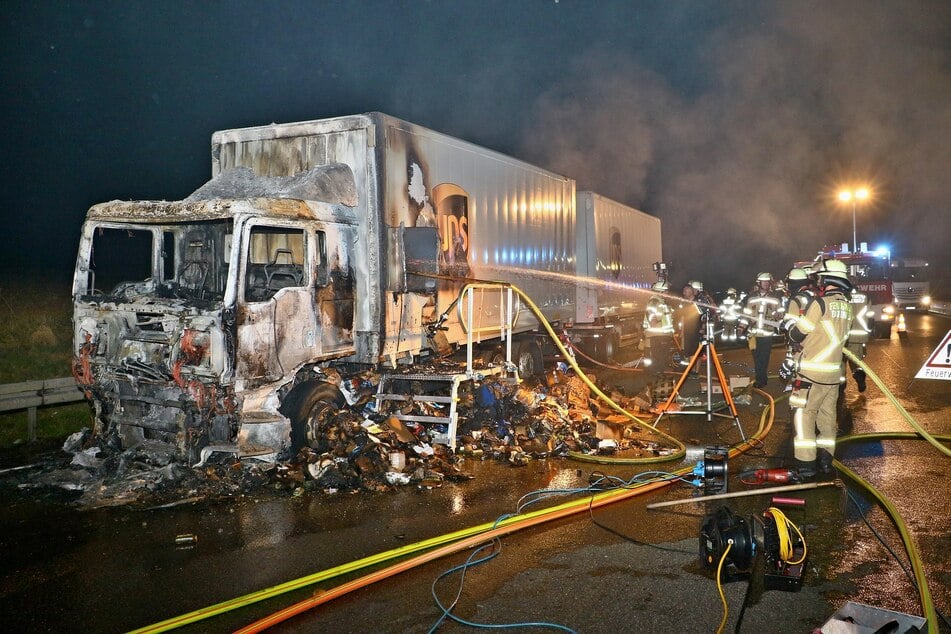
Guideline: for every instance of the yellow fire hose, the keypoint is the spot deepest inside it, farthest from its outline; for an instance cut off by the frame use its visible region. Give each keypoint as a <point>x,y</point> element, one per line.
<point>528,520</point>
<point>924,593</point>
<point>444,544</point>
<point>894,401</point>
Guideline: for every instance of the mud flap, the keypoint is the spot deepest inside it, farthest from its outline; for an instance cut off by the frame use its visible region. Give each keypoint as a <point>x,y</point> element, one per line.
<point>439,342</point>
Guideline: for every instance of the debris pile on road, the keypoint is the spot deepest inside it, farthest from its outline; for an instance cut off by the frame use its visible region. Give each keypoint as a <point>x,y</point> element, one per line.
<point>359,447</point>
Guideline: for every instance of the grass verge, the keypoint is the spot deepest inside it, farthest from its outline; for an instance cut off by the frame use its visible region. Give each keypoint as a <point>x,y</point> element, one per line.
<point>36,343</point>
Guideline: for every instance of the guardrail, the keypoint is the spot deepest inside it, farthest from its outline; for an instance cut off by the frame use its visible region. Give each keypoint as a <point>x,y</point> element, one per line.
<point>30,395</point>
<point>940,308</point>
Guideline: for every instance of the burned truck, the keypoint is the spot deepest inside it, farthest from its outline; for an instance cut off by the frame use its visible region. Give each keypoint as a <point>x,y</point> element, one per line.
<point>222,322</point>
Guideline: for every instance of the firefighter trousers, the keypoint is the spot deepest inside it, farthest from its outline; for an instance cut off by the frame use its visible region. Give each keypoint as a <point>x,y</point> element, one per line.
<point>761,351</point>
<point>815,412</point>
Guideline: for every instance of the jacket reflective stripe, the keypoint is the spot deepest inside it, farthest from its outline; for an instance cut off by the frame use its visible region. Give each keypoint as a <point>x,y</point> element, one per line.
<point>805,325</point>
<point>822,335</point>
<point>658,318</point>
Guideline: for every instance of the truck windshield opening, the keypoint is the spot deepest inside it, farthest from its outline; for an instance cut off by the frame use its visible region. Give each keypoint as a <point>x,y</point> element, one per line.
<point>184,261</point>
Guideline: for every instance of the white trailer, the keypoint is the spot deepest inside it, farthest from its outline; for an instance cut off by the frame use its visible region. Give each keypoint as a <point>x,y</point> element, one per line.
<point>617,248</point>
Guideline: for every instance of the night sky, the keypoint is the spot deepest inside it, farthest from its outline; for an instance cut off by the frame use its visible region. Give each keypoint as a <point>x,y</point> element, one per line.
<point>734,122</point>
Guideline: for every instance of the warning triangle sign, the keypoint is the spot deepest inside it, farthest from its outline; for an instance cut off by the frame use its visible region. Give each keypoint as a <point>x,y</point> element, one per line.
<point>938,365</point>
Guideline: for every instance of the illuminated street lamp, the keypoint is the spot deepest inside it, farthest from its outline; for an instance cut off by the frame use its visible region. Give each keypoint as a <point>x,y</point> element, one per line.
<point>854,196</point>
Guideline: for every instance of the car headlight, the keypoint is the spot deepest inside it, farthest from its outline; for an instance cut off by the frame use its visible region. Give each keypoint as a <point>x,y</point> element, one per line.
<point>889,310</point>
<point>926,300</point>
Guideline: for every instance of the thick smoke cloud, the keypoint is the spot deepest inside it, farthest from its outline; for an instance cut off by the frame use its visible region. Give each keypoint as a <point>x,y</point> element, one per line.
<point>798,99</point>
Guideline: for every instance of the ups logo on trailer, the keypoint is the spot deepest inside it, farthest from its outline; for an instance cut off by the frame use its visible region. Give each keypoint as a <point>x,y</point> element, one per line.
<point>614,252</point>
<point>448,211</point>
<point>452,221</point>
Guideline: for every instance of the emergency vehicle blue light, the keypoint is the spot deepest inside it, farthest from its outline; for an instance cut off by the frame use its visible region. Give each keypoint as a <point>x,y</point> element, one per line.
<point>882,250</point>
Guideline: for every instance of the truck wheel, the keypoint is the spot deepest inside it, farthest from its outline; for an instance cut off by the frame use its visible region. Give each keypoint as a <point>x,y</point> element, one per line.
<point>528,359</point>
<point>309,406</point>
<point>493,356</point>
<point>606,347</point>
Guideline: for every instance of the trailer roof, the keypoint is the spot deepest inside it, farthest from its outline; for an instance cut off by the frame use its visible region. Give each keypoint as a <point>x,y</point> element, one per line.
<point>356,122</point>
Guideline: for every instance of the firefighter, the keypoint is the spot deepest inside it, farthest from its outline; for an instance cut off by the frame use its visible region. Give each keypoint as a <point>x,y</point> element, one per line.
<point>801,291</point>
<point>688,320</point>
<point>659,326</point>
<point>703,299</point>
<point>759,319</point>
<point>729,316</point>
<point>858,337</point>
<point>783,293</point>
<point>822,331</point>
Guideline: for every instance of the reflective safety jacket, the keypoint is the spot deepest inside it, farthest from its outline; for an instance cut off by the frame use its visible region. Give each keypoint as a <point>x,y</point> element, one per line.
<point>822,331</point>
<point>658,320</point>
<point>729,319</point>
<point>796,307</point>
<point>859,332</point>
<point>758,309</point>
<point>729,310</point>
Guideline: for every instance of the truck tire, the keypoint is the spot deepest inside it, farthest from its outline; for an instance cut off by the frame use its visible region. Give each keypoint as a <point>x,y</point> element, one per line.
<point>528,359</point>
<point>308,406</point>
<point>606,347</point>
<point>493,356</point>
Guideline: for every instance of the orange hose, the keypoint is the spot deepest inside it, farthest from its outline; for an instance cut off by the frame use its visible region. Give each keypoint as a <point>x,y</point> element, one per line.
<point>469,542</point>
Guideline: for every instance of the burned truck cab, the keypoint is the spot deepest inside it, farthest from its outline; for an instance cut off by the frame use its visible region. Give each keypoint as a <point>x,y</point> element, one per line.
<point>191,317</point>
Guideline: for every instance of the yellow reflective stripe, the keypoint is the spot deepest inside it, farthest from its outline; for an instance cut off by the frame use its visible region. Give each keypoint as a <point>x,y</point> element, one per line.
<point>797,401</point>
<point>804,444</point>
<point>816,363</point>
<point>833,342</point>
<point>825,442</point>
<point>805,325</point>
<point>819,366</point>
<point>863,323</point>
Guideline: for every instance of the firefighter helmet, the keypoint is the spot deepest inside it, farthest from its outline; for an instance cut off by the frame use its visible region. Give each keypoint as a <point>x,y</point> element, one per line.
<point>797,274</point>
<point>764,277</point>
<point>731,292</point>
<point>696,284</point>
<point>660,287</point>
<point>834,272</point>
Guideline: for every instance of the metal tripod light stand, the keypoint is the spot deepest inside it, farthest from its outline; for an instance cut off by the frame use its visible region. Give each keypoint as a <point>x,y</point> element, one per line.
<point>708,348</point>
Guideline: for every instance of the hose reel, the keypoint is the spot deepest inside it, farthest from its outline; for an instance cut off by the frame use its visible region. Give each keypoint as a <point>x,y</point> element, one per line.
<point>768,535</point>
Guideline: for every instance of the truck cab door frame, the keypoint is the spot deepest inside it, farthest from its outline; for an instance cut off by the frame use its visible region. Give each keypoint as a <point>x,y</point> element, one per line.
<point>276,323</point>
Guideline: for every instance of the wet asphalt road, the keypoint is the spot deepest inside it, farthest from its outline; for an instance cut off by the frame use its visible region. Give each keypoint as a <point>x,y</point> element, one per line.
<point>117,569</point>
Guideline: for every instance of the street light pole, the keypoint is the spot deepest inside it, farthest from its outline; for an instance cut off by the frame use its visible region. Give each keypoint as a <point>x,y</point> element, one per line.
<point>854,196</point>
<point>855,247</point>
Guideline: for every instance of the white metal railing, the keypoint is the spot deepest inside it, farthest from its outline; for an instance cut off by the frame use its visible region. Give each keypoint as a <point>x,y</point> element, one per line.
<point>475,329</point>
